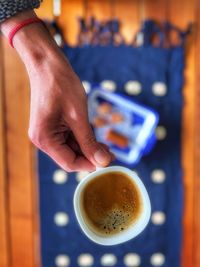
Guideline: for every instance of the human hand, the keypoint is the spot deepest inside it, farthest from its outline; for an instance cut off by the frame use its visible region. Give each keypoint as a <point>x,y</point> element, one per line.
<point>59,121</point>
<point>58,116</point>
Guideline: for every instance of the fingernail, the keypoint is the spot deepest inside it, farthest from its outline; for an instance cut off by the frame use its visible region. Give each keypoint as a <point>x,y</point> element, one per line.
<point>102,157</point>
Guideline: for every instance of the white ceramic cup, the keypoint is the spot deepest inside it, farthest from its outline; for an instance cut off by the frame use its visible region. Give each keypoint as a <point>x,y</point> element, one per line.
<point>133,230</point>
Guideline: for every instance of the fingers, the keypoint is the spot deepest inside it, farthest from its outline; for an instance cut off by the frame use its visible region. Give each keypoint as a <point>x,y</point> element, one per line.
<point>63,154</point>
<point>95,152</point>
<point>107,148</point>
<point>68,160</point>
<point>72,143</point>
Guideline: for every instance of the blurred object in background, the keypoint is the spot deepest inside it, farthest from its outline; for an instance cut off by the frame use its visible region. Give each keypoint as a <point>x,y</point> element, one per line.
<point>126,127</point>
<point>94,32</point>
<point>56,32</point>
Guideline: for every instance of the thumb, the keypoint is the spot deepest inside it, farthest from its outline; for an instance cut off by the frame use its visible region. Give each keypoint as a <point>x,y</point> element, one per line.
<point>95,152</point>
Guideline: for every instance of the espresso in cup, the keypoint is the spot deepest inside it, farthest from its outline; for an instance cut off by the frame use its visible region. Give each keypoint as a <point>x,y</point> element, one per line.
<point>111,203</point>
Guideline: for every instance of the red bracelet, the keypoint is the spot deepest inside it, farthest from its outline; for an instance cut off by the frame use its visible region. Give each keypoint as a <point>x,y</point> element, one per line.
<point>19,26</point>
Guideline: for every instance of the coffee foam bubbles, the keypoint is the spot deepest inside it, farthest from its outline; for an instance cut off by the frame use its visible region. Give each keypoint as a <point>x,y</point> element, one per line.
<point>111,203</point>
<point>115,221</point>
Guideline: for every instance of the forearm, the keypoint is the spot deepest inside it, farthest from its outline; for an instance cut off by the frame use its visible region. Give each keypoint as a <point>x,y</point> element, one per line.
<point>58,112</point>
<point>33,42</point>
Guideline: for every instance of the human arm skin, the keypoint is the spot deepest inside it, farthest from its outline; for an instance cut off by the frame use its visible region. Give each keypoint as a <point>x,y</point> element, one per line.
<point>59,123</point>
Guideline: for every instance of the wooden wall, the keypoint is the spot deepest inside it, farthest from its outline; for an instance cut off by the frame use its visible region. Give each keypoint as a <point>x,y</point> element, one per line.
<point>3,186</point>
<point>19,244</point>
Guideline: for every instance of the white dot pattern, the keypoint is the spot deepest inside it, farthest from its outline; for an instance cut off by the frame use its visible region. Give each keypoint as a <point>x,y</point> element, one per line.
<point>133,87</point>
<point>81,175</point>
<point>85,260</point>
<point>87,86</point>
<point>60,176</point>
<point>61,219</point>
<point>108,260</point>
<point>159,89</point>
<point>158,218</point>
<point>109,85</point>
<point>62,261</point>
<point>158,176</point>
<point>161,132</point>
<point>157,259</point>
<point>132,260</point>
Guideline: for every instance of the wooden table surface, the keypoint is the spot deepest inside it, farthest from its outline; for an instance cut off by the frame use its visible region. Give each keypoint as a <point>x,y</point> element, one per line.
<point>19,234</point>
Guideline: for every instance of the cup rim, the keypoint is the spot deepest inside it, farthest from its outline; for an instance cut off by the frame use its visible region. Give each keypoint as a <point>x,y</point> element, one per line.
<point>129,233</point>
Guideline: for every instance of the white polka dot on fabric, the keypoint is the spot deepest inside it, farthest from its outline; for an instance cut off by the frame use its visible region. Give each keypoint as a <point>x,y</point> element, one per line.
<point>133,88</point>
<point>108,260</point>
<point>158,176</point>
<point>62,261</point>
<point>159,89</point>
<point>61,219</point>
<point>87,86</point>
<point>161,132</point>
<point>60,176</point>
<point>158,217</point>
<point>109,85</point>
<point>85,260</point>
<point>132,260</point>
<point>81,175</point>
<point>157,259</point>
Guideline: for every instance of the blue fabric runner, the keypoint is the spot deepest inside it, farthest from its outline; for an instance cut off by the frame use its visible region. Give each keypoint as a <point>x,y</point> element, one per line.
<point>160,171</point>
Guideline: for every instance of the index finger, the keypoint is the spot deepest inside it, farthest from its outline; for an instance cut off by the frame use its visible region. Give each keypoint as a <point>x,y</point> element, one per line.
<point>67,159</point>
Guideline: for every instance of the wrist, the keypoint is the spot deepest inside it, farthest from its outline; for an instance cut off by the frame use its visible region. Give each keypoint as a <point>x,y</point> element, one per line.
<point>32,42</point>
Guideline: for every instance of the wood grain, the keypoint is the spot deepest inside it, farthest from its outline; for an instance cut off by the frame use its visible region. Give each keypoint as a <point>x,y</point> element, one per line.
<point>19,162</point>
<point>102,10</point>
<point>129,13</point>
<point>196,232</point>
<point>68,20</point>
<point>4,234</point>
<point>155,9</point>
<point>188,126</point>
<point>46,9</point>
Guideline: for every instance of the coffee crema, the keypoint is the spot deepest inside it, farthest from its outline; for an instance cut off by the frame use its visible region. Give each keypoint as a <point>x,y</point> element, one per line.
<point>111,203</point>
